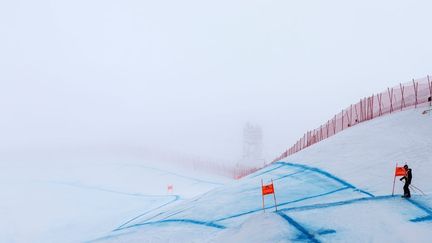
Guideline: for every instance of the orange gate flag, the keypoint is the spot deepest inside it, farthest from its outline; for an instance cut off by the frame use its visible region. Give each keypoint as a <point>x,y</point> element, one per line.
<point>267,189</point>
<point>400,171</point>
<point>170,188</point>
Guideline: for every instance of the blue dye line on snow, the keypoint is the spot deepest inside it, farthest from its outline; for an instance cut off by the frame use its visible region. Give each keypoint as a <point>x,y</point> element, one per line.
<point>265,172</point>
<point>421,219</point>
<point>423,208</point>
<point>189,221</point>
<point>352,201</point>
<point>334,204</point>
<point>315,196</point>
<point>139,216</point>
<point>281,204</point>
<point>299,227</point>
<point>325,173</point>
<point>326,232</point>
<point>288,175</point>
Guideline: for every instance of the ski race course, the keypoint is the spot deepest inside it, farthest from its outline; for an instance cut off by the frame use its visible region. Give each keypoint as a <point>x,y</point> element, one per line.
<point>337,190</point>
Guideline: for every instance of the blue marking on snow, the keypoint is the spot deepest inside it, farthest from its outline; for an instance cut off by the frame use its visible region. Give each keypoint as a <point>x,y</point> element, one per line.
<point>281,204</point>
<point>326,232</point>
<point>288,175</point>
<point>421,206</point>
<point>334,204</point>
<point>265,172</point>
<point>325,173</point>
<point>175,198</point>
<point>310,197</point>
<point>189,221</point>
<point>241,214</point>
<point>299,227</point>
<point>421,219</point>
<point>139,216</point>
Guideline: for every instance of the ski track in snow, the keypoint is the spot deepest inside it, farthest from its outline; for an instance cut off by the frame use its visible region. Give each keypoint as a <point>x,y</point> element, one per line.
<point>304,232</point>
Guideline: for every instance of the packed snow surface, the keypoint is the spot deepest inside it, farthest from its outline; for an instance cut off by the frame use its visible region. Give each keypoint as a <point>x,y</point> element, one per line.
<point>75,198</point>
<point>338,190</point>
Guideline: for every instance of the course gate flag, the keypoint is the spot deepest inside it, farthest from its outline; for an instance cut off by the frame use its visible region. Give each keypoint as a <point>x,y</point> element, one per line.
<point>170,188</point>
<point>266,190</point>
<point>399,171</point>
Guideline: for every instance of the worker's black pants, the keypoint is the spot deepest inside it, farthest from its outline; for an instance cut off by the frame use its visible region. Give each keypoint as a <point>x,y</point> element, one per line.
<point>407,192</point>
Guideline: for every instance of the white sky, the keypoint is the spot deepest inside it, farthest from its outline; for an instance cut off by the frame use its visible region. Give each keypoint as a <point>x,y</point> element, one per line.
<point>187,75</point>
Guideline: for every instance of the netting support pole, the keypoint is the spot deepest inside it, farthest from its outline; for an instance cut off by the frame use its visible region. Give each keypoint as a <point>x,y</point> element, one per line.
<point>430,92</point>
<point>342,119</point>
<point>415,92</point>
<point>390,99</point>
<point>380,103</point>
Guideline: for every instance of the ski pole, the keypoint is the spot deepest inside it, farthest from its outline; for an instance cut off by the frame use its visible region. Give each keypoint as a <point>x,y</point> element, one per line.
<point>418,189</point>
<point>415,190</point>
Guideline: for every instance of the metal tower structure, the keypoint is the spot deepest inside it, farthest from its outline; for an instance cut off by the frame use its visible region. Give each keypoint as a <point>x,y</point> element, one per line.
<point>252,145</point>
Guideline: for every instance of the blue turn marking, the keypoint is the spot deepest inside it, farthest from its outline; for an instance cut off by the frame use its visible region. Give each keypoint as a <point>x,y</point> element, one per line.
<point>326,232</point>
<point>190,221</point>
<point>423,208</point>
<point>310,197</point>
<point>325,173</point>
<point>265,172</point>
<point>421,219</point>
<point>299,227</point>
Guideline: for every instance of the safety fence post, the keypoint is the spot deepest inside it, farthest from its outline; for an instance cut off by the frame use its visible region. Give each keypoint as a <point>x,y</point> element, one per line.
<point>430,92</point>
<point>334,125</point>
<point>390,98</point>
<point>342,119</point>
<point>415,85</point>
<point>380,103</point>
<point>402,88</point>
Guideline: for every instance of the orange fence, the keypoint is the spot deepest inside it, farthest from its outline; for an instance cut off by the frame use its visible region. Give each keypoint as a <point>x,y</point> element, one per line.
<point>404,96</point>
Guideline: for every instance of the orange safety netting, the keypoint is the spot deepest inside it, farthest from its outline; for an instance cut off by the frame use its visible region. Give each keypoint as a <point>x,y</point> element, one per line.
<point>404,96</point>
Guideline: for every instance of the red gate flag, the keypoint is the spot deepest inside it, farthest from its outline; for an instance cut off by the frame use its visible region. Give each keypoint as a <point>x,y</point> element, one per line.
<point>170,188</point>
<point>400,171</point>
<point>267,189</point>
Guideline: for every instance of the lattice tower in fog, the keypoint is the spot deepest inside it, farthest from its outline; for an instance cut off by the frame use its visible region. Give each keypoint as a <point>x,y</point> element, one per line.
<point>252,144</point>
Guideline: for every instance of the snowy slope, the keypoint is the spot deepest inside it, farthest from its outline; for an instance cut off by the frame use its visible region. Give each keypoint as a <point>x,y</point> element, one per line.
<point>338,190</point>
<point>64,198</point>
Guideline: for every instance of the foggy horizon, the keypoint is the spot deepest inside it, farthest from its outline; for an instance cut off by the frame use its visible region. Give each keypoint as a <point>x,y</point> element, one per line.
<point>186,76</point>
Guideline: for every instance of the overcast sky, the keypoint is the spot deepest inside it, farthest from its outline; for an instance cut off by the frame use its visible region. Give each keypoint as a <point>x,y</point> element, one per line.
<point>187,75</point>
